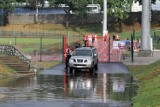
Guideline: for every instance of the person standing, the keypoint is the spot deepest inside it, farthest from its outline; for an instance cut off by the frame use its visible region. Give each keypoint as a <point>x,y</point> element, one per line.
<point>93,39</point>
<point>128,44</point>
<point>116,37</point>
<point>138,44</point>
<point>106,36</point>
<point>68,55</point>
<point>77,45</point>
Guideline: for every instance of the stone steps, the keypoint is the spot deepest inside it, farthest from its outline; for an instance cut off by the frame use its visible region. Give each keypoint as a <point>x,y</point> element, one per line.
<point>15,63</point>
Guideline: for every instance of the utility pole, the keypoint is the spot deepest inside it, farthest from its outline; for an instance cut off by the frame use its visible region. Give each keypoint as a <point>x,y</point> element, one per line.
<point>92,5</point>
<point>36,3</point>
<point>145,49</point>
<point>104,17</point>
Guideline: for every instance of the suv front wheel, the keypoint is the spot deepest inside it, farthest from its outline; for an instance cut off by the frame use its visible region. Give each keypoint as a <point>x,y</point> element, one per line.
<point>92,69</point>
<point>70,70</point>
<point>96,66</point>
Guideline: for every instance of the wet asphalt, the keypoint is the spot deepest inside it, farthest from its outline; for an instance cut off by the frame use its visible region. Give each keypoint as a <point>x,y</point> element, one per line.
<point>111,68</point>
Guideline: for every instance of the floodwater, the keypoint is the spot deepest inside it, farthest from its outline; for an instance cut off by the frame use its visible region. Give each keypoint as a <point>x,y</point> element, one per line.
<point>68,90</point>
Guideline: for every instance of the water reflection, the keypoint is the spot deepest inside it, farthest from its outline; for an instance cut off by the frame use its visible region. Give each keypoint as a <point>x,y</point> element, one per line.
<point>82,85</point>
<point>118,85</point>
<point>79,86</point>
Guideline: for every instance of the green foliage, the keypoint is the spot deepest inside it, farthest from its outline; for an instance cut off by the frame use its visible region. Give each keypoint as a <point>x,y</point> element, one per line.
<point>21,0</point>
<point>149,88</point>
<point>145,71</point>
<point>78,7</point>
<point>52,2</point>
<point>7,7</point>
<point>33,3</point>
<point>119,9</point>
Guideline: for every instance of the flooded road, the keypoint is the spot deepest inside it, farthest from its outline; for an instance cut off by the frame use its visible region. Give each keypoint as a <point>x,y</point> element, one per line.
<point>81,89</point>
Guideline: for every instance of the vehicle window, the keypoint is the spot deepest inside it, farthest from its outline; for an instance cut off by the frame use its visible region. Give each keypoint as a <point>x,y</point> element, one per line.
<point>82,53</point>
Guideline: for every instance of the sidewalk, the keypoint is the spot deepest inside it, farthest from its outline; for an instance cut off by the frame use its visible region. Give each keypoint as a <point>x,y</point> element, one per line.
<point>142,60</point>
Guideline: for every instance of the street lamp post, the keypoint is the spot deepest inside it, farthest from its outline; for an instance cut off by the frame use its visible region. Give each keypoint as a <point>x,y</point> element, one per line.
<point>36,11</point>
<point>105,17</point>
<point>92,5</point>
<point>145,35</point>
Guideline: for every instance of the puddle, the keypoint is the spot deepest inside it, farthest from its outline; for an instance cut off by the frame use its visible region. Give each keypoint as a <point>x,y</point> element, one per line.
<point>99,88</point>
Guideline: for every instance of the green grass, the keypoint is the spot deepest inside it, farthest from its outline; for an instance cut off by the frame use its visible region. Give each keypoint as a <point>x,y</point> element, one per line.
<point>31,41</point>
<point>149,87</point>
<point>48,64</point>
<point>30,44</point>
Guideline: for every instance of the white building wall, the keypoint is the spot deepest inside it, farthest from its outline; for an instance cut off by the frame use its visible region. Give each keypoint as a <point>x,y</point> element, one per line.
<point>136,7</point>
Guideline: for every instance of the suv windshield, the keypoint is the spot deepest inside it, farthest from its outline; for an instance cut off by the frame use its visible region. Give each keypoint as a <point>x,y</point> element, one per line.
<point>82,53</point>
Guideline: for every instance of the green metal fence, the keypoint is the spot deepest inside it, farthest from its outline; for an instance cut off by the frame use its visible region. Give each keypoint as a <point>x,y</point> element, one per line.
<point>39,46</point>
<point>155,35</point>
<point>156,38</point>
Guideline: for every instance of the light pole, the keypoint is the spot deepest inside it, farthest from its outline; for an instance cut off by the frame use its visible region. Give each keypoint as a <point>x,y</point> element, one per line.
<point>92,5</point>
<point>36,11</point>
<point>105,17</point>
<point>145,35</point>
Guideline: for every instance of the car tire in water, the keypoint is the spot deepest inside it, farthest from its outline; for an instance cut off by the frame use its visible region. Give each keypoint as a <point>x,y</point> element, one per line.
<point>96,66</point>
<point>70,70</point>
<point>91,70</point>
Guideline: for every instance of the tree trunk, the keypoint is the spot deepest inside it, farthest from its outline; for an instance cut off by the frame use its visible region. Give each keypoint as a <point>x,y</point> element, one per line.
<point>67,24</point>
<point>5,18</point>
<point>67,20</point>
<point>120,25</point>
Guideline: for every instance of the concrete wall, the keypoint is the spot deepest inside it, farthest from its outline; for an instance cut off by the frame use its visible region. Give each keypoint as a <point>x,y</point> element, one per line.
<point>61,18</point>
<point>52,18</point>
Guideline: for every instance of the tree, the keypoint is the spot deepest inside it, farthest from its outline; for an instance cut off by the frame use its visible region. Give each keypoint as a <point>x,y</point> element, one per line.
<point>78,7</point>
<point>120,10</point>
<point>21,0</point>
<point>34,4</point>
<point>7,7</point>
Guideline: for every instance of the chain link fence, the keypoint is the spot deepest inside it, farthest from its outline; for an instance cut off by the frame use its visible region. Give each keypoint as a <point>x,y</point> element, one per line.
<point>156,39</point>
<point>40,45</point>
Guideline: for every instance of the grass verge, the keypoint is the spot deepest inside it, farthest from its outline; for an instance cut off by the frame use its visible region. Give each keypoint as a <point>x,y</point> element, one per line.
<point>48,64</point>
<point>149,85</point>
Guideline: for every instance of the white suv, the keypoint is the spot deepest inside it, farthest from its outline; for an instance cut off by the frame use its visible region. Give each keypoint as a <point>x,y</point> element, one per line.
<point>84,58</point>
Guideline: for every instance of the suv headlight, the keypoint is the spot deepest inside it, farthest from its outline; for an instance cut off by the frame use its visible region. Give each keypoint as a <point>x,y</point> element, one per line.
<point>89,60</point>
<point>72,60</point>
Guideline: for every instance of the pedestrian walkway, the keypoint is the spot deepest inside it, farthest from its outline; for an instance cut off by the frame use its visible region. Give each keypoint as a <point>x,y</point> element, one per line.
<point>142,60</point>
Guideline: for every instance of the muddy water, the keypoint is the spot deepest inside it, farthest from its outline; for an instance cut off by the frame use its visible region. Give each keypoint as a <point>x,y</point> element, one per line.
<point>68,90</point>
